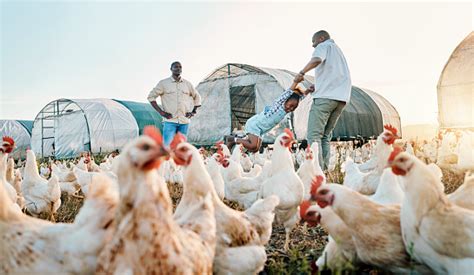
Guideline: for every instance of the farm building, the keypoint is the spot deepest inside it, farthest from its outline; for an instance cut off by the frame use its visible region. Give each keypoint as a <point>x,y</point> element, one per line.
<point>66,127</point>
<point>456,88</point>
<point>233,93</point>
<point>20,131</point>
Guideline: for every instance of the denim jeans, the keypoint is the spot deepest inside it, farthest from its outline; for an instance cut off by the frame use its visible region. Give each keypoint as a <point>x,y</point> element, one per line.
<point>322,120</point>
<point>170,129</point>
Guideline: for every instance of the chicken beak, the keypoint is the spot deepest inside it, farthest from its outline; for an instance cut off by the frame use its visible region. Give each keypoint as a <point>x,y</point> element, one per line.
<point>163,152</point>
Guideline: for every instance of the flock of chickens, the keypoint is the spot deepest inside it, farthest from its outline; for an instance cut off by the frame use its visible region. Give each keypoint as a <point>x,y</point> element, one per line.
<point>390,212</point>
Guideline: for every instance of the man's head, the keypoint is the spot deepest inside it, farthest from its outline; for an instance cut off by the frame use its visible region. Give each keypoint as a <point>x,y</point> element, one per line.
<point>176,68</point>
<point>319,37</point>
<point>292,103</point>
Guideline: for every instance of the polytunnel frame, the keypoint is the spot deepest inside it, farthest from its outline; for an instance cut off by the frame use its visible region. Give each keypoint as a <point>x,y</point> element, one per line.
<point>55,106</point>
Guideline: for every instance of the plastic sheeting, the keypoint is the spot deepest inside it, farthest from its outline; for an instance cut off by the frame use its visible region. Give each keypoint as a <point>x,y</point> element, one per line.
<point>20,133</point>
<point>143,113</point>
<point>364,116</point>
<point>73,126</point>
<point>456,87</point>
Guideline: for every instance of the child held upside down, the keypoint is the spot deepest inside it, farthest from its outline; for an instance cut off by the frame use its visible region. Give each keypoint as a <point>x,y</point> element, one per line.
<point>262,123</point>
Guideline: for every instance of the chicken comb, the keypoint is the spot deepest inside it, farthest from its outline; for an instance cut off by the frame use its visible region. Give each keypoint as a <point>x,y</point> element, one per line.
<point>154,133</point>
<point>315,184</point>
<point>9,140</point>
<point>390,128</point>
<point>396,150</point>
<point>178,138</point>
<point>304,207</point>
<point>289,133</point>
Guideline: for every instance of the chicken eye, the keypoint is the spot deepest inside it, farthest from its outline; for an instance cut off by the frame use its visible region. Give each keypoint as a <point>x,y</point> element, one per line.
<point>146,147</point>
<point>323,192</point>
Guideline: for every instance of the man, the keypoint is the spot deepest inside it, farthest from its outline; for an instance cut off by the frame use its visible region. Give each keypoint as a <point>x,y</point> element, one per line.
<point>332,92</point>
<point>179,102</point>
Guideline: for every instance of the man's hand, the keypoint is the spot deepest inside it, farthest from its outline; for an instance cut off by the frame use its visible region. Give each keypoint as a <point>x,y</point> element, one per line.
<point>298,78</point>
<point>190,114</point>
<point>166,115</point>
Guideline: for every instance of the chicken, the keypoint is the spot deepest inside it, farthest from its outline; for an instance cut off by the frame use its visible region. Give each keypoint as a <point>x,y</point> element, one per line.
<point>375,228</point>
<point>285,184</point>
<point>389,190</point>
<point>241,236</point>
<point>147,238</point>
<point>464,195</point>
<point>63,175</point>
<point>10,171</point>
<point>317,165</point>
<point>367,182</point>
<point>8,144</point>
<point>84,179</point>
<point>34,246</point>
<point>307,171</point>
<point>241,189</point>
<point>310,168</point>
<point>382,150</point>
<point>437,232</point>
<point>17,185</point>
<point>340,249</point>
<point>465,152</point>
<point>213,168</point>
<point>40,195</point>
<point>246,163</point>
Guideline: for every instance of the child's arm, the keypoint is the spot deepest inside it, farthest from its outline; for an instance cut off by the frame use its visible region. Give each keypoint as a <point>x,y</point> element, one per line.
<point>297,89</point>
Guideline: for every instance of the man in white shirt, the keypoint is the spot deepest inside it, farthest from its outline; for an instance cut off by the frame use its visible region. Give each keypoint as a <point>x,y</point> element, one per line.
<point>332,92</point>
<point>179,102</point>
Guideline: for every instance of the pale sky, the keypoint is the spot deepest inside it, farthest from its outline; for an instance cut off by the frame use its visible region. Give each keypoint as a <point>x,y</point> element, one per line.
<point>52,50</point>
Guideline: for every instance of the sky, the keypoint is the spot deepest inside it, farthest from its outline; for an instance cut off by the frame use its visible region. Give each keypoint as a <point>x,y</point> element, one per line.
<point>120,50</point>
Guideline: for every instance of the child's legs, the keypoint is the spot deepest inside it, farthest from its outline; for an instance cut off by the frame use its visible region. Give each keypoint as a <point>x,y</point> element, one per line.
<point>252,143</point>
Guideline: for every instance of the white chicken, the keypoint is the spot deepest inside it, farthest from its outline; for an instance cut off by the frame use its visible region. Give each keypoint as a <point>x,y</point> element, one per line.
<point>307,171</point>
<point>241,236</point>
<point>383,147</point>
<point>214,170</point>
<point>367,182</point>
<point>34,246</point>
<point>464,195</point>
<point>436,232</point>
<point>375,228</point>
<point>340,250</point>
<point>389,190</point>
<point>8,144</point>
<point>285,184</point>
<point>40,195</point>
<point>241,189</point>
<point>147,239</point>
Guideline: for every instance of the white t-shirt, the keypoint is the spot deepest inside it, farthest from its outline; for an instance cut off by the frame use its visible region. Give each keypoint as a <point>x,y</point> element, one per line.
<point>332,77</point>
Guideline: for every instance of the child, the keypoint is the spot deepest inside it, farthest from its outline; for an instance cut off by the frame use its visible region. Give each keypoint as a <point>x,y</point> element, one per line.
<point>262,123</point>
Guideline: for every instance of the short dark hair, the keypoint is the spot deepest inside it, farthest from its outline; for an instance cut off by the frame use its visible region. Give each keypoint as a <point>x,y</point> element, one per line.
<point>174,63</point>
<point>322,33</point>
<point>294,96</point>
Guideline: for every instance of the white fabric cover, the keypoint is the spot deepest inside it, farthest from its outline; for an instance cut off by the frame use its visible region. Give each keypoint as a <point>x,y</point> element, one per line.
<point>20,135</point>
<point>103,125</point>
<point>456,87</point>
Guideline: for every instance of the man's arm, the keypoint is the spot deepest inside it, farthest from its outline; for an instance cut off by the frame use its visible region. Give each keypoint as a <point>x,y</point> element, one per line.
<point>313,63</point>
<point>153,95</point>
<point>196,99</point>
<point>159,110</point>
